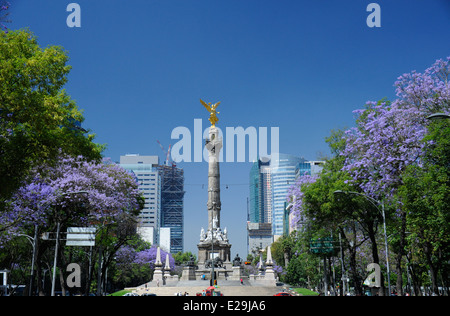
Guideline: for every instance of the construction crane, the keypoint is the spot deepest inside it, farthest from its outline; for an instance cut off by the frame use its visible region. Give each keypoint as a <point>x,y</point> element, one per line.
<point>167,152</point>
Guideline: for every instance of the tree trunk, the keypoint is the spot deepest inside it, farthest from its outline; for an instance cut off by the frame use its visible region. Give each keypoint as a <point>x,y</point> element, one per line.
<point>40,249</point>
<point>427,248</point>
<point>61,264</point>
<point>376,258</point>
<point>357,284</point>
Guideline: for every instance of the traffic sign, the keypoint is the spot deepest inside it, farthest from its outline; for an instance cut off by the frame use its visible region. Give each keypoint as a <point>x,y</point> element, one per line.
<point>322,246</point>
<point>80,236</point>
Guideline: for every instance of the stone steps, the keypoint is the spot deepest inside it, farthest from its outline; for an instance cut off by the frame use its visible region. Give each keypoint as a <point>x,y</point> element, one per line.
<point>241,290</point>
<point>205,283</point>
<point>226,287</point>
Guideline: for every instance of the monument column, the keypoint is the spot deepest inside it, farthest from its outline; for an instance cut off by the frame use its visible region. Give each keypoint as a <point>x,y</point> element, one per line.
<point>213,144</point>
<point>213,243</point>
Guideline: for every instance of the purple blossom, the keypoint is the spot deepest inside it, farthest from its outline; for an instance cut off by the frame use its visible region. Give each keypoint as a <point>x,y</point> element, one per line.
<point>4,6</point>
<point>27,207</point>
<point>111,191</point>
<point>295,196</point>
<point>125,256</point>
<point>278,269</point>
<point>148,256</point>
<point>388,137</point>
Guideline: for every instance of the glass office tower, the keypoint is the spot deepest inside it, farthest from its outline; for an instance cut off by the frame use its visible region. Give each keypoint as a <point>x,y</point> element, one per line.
<point>260,203</point>
<point>270,181</point>
<point>259,227</point>
<point>283,174</point>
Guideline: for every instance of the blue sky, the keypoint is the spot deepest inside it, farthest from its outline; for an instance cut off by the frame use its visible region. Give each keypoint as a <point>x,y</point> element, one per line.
<point>141,66</point>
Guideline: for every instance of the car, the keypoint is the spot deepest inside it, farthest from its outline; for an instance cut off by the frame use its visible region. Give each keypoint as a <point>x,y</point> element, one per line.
<point>148,294</point>
<point>283,294</point>
<point>131,294</point>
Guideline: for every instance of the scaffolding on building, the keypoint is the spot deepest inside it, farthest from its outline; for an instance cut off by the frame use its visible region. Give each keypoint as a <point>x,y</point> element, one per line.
<point>172,196</point>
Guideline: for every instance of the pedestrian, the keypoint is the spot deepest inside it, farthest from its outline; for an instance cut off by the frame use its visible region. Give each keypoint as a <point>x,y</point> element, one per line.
<point>242,283</point>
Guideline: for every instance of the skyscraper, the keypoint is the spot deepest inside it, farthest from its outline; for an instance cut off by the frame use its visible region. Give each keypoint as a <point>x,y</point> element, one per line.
<point>283,173</point>
<point>260,208</point>
<point>259,224</point>
<point>172,205</point>
<point>161,221</point>
<point>145,168</point>
<point>269,185</point>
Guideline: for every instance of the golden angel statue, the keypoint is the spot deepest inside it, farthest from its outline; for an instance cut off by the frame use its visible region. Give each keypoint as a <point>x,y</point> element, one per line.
<point>212,110</point>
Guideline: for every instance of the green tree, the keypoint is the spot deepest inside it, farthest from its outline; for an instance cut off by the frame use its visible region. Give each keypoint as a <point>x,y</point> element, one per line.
<point>303,267</point>
<point>38,119</point>
<point>327,214</point>
<point>281,250</point>
<point>426,198</point>
<point>184,257</point>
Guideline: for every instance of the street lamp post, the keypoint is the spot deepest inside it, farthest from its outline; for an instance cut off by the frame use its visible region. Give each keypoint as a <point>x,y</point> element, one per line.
<point>55,258</point>
<point>376,204</point>
<point>32,240</point>
<point>435,116</point>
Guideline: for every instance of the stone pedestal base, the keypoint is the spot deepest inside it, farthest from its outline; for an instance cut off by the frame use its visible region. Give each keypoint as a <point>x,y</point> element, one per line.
<point>238,273</point>
<point>206,252</point>
<point>188,274</point>
<point>270,274</point>
<point>220,274</point>
<point>158,277</point>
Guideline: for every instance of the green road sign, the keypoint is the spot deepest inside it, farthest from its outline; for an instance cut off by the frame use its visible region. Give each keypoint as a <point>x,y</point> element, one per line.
<point>322,246</point>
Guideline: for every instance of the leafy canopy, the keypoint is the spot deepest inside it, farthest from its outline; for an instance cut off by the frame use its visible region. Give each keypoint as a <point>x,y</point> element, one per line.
<point>38,119</point>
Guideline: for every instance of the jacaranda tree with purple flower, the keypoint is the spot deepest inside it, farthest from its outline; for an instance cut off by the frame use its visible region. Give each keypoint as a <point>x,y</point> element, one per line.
<point>388,136</point>
<point>148,257</point>
<point>387,139</point>
<point>75,192</point>
<point>26,210</point>
<point>107,191</point>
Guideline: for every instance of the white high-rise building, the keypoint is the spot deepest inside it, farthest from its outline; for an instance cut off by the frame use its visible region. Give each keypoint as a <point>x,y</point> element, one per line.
<point>145,168</point>
<point>283,174</point>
